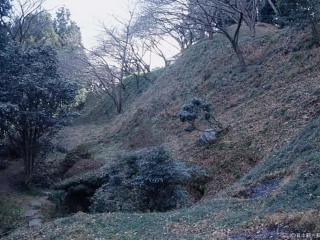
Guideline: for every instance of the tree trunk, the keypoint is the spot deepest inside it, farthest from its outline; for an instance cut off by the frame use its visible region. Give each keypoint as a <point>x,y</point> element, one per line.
<point>137,81</point>
<point>235,44</point>
<point>118,99</point>
<point>240,57</point>
<point>202,34</point>
<point>29,138</point>
<point>29,157</point>
<point>315,32</point>
<point>119,107</point>
<point>274,7</point>
<point>29,164</point>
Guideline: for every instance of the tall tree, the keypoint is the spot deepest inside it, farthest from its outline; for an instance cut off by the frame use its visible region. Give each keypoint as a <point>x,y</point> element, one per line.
<point>21,17</point>
<point>109,61</point>
<point>68,30</point>
<point>71,53</point>
<point>4,12</point>
<point>217,16</point>
<point>118,55</point>
<point>266,12</point>
<point>34,99</point>
<point>40,30</point>
<point>303,13</point>
<point>209,17</point>
<point>160,20</point>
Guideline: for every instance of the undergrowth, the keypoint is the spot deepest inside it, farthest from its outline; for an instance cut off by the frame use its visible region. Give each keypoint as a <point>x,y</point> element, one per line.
<point>10,213</point>
<point>146,180</point>
<point>297,165</point>
<point>272,138</point>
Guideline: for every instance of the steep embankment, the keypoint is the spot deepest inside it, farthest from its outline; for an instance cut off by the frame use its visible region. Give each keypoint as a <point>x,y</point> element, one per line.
<point>263,107</point>
<point>276,200</point>
<point>264,170</point>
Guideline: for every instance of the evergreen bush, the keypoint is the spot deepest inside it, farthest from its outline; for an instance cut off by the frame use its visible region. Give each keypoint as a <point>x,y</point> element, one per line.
<point>197,109</point>
<point>145,180</point>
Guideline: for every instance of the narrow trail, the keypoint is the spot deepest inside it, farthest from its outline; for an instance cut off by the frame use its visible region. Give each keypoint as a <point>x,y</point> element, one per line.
<point>32,207</point>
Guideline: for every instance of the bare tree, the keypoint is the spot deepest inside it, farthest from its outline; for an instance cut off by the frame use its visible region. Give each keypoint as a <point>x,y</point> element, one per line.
<point>136,63</point>
<point>203,18</point>
<point>21,18</point>
<point>104,77</point>
<point>276,11</point>
<point>162,19</point>
<point>216,14</point>
<point>119,54</point>
<point>249,8</point>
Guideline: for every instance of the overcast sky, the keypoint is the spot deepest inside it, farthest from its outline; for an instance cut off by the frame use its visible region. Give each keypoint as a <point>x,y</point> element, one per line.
<point>88,14</point>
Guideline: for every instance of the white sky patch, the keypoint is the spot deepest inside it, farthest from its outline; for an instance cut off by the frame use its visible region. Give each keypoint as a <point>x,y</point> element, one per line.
<point>89,15</point>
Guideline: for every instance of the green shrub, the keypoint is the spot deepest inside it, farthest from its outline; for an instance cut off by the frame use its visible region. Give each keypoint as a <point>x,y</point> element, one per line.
<point>10,214</point>
<point>7,150</point>
<point>197,109</point>
<point>117,198</point>
<point>145,180</point>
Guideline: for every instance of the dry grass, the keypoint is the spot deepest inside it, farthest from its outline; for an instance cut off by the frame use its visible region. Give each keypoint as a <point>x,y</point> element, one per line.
<point>308,221</point>
<point>264,108</point>
<point>15,204</point>
<point>72,136</point>
<point>83,166</point>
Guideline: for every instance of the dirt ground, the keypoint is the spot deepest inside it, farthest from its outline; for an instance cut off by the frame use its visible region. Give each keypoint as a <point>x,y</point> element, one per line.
<point>11,178</point>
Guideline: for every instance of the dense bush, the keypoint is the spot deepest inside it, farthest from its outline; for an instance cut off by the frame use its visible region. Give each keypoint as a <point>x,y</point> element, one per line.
<point>113,198</point>
<point>145,180</point>
<point>7,150</point>
<point>191,111</point>
<point>35,100</point>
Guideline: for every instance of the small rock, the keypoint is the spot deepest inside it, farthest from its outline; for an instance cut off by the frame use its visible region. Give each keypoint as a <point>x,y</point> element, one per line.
<point>35,222</point>
<point>190,129</point>
<point>30,213</point>
<point>47,194</point>
<point>62,148</point>
<point>35,204</point>
<point>207,137</point>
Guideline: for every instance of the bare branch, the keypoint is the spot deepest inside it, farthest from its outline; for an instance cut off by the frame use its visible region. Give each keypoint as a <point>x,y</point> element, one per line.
<point>22,17</point>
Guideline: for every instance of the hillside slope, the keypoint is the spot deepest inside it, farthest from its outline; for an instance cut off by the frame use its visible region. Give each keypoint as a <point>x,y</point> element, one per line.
<point>264,171</point>
<point>263,108</point>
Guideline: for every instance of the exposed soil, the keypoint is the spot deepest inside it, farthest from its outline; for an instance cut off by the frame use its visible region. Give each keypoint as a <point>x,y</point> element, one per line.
<point>264,188</point>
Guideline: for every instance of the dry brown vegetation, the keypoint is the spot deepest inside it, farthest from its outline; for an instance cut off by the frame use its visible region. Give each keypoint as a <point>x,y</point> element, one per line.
<point>263,109</point>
